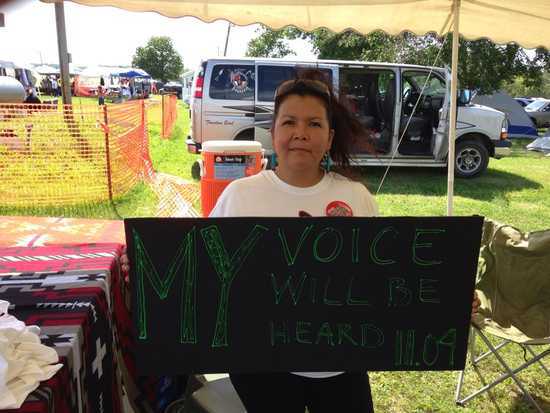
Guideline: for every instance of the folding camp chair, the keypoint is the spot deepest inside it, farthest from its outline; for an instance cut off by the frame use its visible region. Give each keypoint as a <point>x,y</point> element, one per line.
<point>218,396</point>
<point>514,287</point>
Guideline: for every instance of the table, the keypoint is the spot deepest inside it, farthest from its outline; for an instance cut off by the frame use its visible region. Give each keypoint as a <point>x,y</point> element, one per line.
<point>77,295</point>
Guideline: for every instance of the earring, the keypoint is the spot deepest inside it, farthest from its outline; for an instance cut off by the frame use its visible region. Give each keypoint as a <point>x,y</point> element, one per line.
<point>326,162</point>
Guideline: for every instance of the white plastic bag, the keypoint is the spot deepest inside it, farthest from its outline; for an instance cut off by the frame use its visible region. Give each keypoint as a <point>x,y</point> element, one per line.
<point>24,361</point>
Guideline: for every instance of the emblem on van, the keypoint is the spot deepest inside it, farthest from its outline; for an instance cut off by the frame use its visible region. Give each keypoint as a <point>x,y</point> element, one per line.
<point>240,81</point>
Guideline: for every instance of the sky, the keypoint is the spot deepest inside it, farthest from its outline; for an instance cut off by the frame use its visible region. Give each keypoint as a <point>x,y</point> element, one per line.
<point>110,36</point>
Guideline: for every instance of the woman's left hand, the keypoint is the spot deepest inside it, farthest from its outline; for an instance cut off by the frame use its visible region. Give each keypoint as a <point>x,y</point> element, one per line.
<point>476,303</point>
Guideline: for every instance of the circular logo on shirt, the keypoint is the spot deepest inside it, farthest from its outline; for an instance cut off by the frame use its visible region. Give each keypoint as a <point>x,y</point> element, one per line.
<point>338,209</point>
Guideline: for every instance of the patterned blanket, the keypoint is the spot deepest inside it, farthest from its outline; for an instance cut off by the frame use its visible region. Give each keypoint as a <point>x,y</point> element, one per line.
<point>76,294</point>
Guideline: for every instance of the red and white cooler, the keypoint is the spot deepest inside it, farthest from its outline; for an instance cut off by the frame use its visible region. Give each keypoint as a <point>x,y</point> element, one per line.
<point>223,162</point>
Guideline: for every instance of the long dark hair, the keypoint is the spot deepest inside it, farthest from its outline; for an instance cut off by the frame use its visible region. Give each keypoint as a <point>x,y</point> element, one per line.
<point>347,129</point>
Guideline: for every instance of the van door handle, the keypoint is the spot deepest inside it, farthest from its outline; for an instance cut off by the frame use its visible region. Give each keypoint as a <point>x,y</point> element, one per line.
<point>249,115</point>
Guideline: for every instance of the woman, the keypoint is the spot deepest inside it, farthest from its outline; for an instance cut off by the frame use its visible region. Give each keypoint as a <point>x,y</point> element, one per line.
<point>309,127</point>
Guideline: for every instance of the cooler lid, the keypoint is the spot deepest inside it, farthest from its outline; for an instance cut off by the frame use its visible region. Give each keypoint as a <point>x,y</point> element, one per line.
<point>231,146</point>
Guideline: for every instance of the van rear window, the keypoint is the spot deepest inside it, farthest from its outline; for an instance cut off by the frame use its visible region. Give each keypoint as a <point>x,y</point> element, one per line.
<point>232,82</point>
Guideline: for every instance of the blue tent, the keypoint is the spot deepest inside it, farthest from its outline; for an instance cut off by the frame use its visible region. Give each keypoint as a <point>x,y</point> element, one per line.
<point>519,123</point>
<point>134,73</point>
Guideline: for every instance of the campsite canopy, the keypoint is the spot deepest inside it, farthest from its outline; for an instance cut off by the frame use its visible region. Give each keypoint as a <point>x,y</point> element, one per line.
<point>502,21</point>
<point>7,65</point>
<point>50,70</point>
<point>46,70</point>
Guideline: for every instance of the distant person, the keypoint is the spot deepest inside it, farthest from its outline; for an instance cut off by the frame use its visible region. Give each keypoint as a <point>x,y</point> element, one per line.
<point>55,86</point>
<point>31,96</point>
<point>125,90</point>
<point>101,95</point>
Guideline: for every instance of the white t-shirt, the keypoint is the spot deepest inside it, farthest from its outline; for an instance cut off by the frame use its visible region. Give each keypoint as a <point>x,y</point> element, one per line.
<point>266,195</point>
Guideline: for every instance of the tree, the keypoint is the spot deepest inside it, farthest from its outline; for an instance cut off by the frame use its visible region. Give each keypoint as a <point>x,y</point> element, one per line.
<point>483,66</point>
<point>159,58</point>
<point>270,43</point>
<point>519,87</point>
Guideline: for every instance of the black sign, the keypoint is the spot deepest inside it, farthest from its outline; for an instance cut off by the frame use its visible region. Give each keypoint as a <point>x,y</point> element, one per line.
<point>302,294</point>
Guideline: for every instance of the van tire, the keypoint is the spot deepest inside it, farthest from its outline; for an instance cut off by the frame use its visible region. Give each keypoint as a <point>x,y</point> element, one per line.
<point>471,158</point>
<point>196,171</point>
<point>246,135</point>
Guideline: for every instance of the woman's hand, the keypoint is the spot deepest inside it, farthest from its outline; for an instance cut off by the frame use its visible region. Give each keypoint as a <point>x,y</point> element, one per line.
<point>125,264</point>
<point>476,303</point>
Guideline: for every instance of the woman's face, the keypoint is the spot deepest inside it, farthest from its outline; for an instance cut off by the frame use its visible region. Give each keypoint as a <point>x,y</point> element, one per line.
<point>301,133</point>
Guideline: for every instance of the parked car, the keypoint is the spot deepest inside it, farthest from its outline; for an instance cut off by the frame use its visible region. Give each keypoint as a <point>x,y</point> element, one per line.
<point>173,87</point>
<point>234,98</point>
<point>524,101</point>
<point>539,112</point>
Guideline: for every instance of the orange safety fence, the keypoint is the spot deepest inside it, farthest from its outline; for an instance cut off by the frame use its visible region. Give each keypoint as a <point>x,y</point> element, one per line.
<point>66,155</point>
<point>169,114</point>
<point>81,161</point>
<point>177,197</point>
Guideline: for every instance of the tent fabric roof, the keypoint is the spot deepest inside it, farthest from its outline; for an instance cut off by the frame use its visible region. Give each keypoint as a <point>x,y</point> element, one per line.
<point>524,22</point>
<point>46,70</point>
<point>7,65</point>
<point>520,125</point>
<point>134,73</point>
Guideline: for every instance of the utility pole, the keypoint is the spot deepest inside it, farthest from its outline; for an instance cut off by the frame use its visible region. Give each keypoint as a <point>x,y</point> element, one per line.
<point>63,55</point>
<point>227,38</point>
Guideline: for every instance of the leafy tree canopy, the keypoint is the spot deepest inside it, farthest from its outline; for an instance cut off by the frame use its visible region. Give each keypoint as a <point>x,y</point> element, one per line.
<point>483,66</point>
<point>159,58</point>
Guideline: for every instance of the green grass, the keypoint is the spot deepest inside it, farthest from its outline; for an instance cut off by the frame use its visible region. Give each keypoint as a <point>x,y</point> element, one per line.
<point>139,201</point>
<point>515,190</point>
<point>170,155</point>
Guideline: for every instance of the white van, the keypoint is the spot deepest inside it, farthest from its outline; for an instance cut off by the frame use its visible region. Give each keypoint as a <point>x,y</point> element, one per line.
<point>233,99</point>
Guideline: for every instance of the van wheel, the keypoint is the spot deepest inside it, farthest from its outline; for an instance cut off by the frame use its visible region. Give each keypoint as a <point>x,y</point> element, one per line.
<point>247,135</point>
<point>471,158</point>
<point>196,171</point>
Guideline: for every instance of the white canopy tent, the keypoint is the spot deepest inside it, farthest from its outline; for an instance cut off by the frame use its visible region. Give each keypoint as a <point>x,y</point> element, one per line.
<point>502,21</point>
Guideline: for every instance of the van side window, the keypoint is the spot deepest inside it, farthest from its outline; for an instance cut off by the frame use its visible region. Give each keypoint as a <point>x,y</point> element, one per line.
<point>416,80</point>
<point>270,77</point>
<point>232,82</point>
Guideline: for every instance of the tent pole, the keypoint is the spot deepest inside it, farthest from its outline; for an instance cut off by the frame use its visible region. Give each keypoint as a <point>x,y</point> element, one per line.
<point>63,55</point>
<point>453,110</point>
